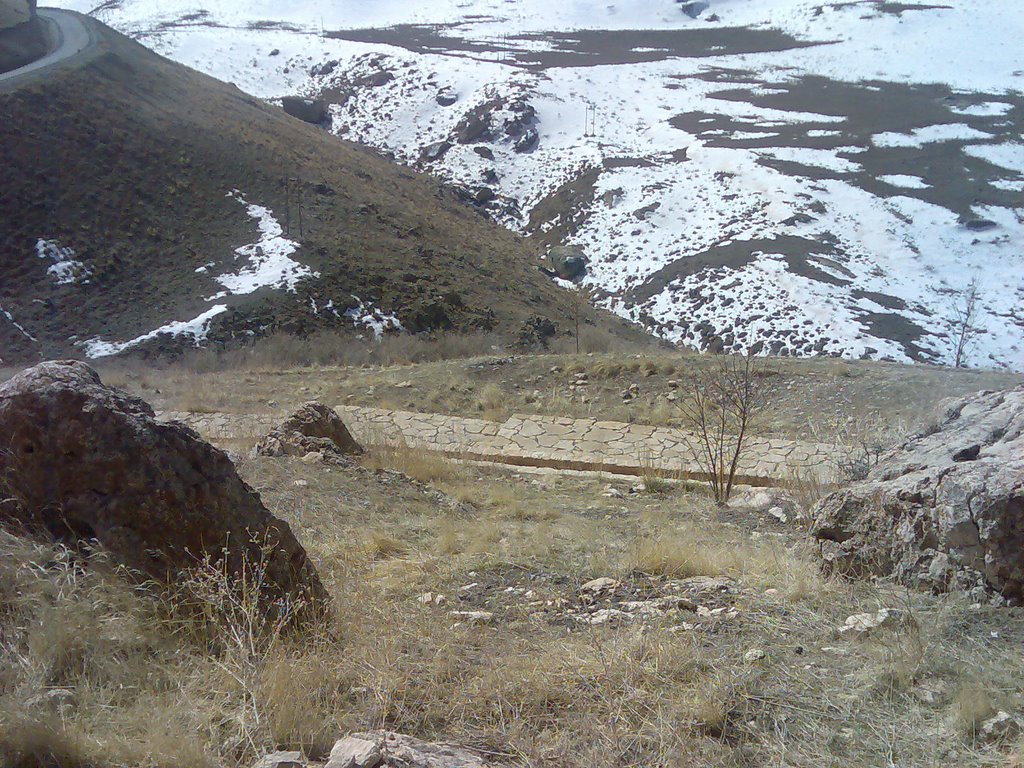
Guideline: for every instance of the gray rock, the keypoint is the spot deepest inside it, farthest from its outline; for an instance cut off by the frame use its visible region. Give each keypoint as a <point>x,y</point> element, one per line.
<point>359,751</point>
<point>694,8</point>
<point>82,463</point>
<point>436,151</point>
<point>281,760</point>
<point>308,110</point>
<point>312,429</point>
<point>943,509</point>
<point>568,261</point>
<point>527,142</point>
<point>401,751</point>
<point>446,97</point>
<point>473,128</point>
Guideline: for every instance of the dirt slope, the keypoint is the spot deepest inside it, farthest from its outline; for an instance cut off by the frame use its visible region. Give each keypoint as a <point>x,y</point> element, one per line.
<point>129,161</point>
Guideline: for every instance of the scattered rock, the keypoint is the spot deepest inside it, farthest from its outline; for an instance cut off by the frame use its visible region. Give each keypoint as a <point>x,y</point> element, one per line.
<point>88,462</point>
<point>281,760</point>
<point>436,151</point>
<point>473,128</point>
<point>1002,725</point>
<point>602,584</point>
<point>693,8</point>
<point>400,751</point>
<point>446,97</point>
<point>359,751</point>
<point>527,142</point>
<point>312,429</point>
<point>630,393</point>
<point>927,497</point>
<point>863,624</point>
<point>754,655</point>
<point>980,225</point>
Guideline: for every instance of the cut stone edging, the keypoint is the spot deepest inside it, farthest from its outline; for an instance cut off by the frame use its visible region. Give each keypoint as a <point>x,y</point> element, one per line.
<point>551,442</point>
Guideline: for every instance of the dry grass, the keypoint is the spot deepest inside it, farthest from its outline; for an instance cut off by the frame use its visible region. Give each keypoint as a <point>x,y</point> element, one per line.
<point>153,686</point>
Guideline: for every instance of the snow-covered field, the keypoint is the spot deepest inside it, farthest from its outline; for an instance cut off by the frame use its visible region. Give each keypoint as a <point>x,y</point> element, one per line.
<point>796,176</point>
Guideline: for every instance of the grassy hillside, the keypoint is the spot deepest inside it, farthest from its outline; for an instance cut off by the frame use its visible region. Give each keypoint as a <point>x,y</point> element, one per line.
<point>129,161</point>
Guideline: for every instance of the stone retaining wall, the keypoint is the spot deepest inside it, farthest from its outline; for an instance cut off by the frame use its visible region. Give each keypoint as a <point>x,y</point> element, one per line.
<point>546,441</point>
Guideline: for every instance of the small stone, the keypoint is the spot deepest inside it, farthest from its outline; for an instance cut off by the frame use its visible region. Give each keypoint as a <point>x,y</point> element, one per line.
<point>403,385</point>
<point>313,457</point>
<point>863,624</point>
<point>300,483</point>
<point>602,584</point>
<point>612,492</point>
<point>606,616</point>
<point>351,752</point>
<point>281,760</point>
<point>779,514</point>
<point>754,654</point>
<point>1002,725</point>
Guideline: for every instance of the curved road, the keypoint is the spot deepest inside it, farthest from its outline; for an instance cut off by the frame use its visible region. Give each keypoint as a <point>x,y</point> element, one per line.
<point>73,41</point>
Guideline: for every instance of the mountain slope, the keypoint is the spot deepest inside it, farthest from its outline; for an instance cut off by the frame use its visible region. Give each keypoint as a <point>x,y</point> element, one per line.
<point>798,176</point>
<point>139,196</point>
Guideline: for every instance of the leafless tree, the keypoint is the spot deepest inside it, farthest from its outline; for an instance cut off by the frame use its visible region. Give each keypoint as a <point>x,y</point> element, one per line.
<point>580,298</point>
<point>721,406</point>
<point>965,310</point>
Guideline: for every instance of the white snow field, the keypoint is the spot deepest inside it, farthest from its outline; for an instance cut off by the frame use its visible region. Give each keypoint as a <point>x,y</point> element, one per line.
<point>789,176</point>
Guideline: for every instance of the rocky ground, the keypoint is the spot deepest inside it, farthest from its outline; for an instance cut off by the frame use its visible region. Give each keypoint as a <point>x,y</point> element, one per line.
<point>533,619</point>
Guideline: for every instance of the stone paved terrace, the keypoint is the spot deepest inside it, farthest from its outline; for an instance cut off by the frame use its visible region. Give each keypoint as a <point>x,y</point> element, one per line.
<point>547,441</point>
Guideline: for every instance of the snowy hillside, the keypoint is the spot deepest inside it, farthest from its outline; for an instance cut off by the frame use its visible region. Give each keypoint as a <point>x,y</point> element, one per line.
<point>788,175</point>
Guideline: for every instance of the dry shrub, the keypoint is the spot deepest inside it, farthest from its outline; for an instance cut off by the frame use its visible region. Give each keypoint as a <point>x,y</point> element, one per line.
<point>417,463</point>
<point>491,403</point>
<point>336,348</point>
<point>680,557</point>
<point>972,706</point>
<point>381,546</point>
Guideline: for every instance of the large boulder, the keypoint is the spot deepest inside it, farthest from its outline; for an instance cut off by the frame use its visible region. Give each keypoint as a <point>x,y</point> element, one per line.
<point>80,461</point>
<point>568,261</point>
<point>314,428</point>
<point>945,509</point>
<point>308,110</point>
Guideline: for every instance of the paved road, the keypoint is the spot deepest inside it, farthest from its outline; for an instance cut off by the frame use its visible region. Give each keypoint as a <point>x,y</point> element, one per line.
<point>74,40</point>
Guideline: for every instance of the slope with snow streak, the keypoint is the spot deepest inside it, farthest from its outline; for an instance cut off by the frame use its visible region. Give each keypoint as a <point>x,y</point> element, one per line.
<point>267,265</point>
<point>739,187</point>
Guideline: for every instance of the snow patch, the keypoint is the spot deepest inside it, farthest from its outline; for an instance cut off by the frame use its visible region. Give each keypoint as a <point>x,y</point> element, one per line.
<point>269,259</point>
<point>197,328</point>
<point>370,317</point>
<point>65,268</point>
<point>929,135</point>
<point>12,321</point>
<point>907,182</point>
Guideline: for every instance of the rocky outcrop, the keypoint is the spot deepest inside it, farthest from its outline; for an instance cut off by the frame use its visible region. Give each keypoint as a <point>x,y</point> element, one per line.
<point>945,509</point>
<point>314,428</point>
<point>83,462</point>
<point>568,261</point>
<point>308,110</point>
<point>384,749</point>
